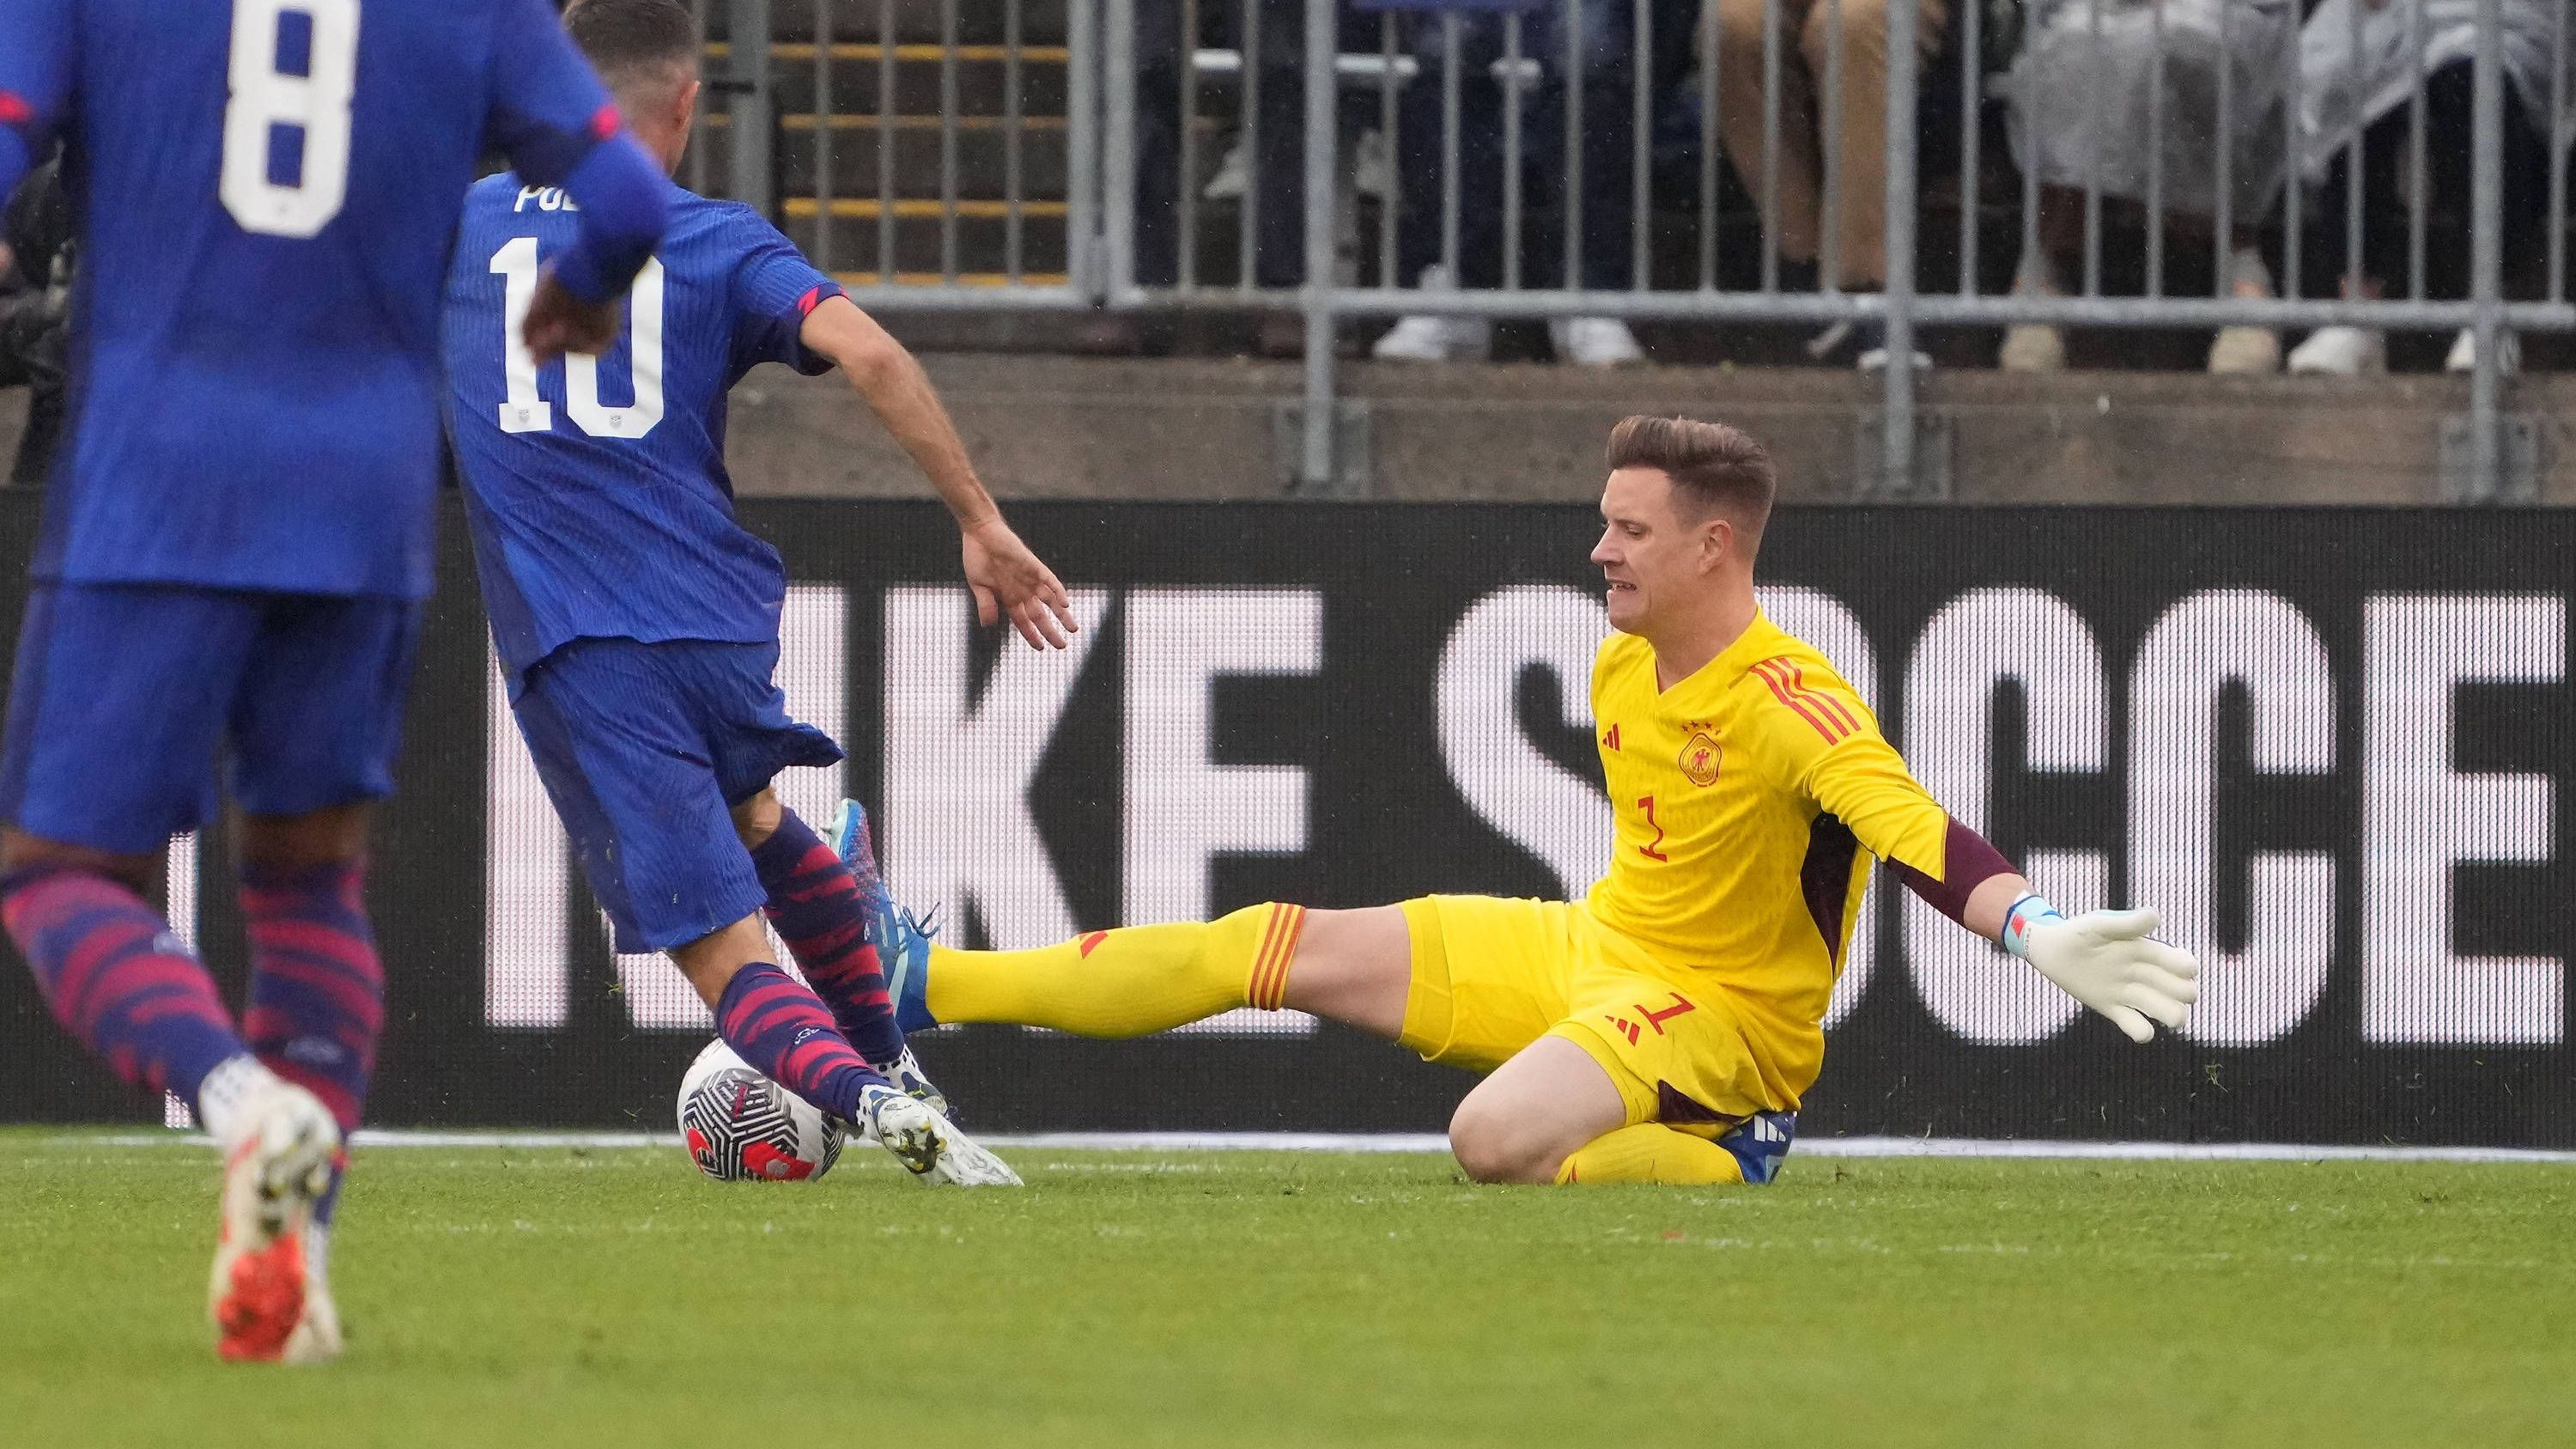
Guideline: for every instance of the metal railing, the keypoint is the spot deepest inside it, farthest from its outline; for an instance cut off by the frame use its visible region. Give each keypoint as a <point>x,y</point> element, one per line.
<point>1512,129</point>
<point>896,142</point>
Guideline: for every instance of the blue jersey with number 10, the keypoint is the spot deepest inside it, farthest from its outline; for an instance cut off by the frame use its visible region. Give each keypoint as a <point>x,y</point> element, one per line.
<point>267,192</point>
<point>596,486</point>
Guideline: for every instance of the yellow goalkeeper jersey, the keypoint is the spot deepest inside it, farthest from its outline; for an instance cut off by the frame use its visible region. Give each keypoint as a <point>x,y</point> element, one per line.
<point>1745,796</point>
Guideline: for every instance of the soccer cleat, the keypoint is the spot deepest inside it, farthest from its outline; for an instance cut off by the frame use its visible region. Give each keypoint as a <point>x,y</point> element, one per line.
<point>929,1145</point>
<point>281,1167</point>
<point>913,1082</point>
<point>317,1337</point>
<point>902,940</point>
<point>1759,1145</point>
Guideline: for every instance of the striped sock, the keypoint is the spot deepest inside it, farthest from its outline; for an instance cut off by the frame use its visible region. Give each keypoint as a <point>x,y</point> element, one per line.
<point>117,979</point>
<point>816,906</point>
<point>776,1024</point>
<point>317,990</point>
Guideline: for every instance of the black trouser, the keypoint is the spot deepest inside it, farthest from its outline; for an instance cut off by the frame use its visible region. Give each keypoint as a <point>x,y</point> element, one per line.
<point>1607,137</point>
<point>2450,122</point>
<point>1279,150</point>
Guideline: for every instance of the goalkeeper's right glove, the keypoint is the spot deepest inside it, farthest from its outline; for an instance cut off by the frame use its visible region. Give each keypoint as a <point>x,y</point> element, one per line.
<point>2106,960</point>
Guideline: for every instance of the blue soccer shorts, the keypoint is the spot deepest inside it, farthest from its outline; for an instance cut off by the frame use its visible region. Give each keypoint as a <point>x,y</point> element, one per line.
<point>645,750</point>
<point>133,705</point>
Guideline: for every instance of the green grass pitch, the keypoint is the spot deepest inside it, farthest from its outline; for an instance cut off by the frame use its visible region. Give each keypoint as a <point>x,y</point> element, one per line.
<point>514,1296</point>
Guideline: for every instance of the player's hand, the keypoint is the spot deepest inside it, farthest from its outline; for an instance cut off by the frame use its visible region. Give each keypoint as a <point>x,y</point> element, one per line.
<point>2106,960</point>
<point>559,322</point>
<point>1007,578</point>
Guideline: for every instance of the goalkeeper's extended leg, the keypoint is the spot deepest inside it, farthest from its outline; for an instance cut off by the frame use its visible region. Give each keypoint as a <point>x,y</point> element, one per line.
<point>1350,966</point>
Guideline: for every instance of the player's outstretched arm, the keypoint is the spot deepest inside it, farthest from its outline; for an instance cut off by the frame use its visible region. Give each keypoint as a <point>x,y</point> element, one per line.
<point>1006,577</point>
<point>2104,959</point>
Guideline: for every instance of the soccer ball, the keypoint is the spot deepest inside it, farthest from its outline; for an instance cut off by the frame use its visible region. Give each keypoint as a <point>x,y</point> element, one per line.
<point>738,1124</point>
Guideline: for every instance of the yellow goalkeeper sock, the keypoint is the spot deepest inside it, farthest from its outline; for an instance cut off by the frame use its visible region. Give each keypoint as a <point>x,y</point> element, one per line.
<point>1128,982</point>
<point>1650,1152</point>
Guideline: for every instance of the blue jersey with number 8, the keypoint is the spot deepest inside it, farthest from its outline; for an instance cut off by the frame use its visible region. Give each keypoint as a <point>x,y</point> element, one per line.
<point>268,190</point>
<point>596,485</point>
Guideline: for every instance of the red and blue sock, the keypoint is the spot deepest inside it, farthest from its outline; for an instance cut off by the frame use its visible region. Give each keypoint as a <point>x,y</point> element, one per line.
<point>117,979</point>
<point>818,909</point>
<point>317,989</point>
<point>779,1026</point>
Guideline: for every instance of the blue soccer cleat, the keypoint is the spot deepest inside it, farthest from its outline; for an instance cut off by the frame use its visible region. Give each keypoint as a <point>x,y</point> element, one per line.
<point>901,939</point>
<point>1761,1143</point>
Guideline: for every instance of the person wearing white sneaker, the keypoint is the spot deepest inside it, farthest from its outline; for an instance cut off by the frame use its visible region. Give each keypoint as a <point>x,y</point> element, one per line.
<point>2089,75</point>
<point>1425,257</point>
<point>2407,52</point>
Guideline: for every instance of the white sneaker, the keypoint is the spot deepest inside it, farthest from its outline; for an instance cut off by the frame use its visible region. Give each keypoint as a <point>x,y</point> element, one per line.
<point>1594,342</point>
<point>2032,347</point>
<point>278,1167</point>
<point>2341,352</point>
<point>2464,352</point>
<point>1436,339</point>
<point>316,1338</point>
<point>2244,351</point>
<point>929,1145</point>
<point>1233,174</point>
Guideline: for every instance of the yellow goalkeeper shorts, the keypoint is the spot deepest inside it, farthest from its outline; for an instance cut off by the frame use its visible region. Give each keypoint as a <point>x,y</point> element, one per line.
<point>1490,976</point>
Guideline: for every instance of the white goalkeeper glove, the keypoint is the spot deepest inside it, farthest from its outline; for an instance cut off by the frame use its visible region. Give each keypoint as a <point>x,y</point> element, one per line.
<point>2106,960</point>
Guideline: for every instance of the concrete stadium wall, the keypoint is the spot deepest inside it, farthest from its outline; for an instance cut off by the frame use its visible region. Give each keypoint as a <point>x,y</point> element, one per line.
<point>1072,427</point>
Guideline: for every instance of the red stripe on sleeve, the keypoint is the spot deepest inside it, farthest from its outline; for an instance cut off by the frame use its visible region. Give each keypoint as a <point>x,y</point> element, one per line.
<point>1774,675</point>
<point>14,110</point>
<point>605,122</point>
<point>812,299</point>
<point>1824,701</point>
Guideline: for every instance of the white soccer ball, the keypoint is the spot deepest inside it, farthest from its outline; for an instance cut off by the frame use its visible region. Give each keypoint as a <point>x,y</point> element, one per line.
<point>739,1125</point>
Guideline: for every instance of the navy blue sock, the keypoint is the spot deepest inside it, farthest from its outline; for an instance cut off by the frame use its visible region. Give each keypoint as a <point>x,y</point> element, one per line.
<point>819,911</point>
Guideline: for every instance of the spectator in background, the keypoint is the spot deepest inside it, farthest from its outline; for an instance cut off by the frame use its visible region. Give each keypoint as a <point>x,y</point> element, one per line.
<point>1164,66</point>
<point>1606,136</point>
<point>1732,38</point>
<point>2367,91</point>
<point>35,316</point>
<point>2082,94</point>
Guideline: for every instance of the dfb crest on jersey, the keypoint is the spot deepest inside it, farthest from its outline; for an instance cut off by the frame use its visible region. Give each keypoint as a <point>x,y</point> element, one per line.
<point>1701,755</point>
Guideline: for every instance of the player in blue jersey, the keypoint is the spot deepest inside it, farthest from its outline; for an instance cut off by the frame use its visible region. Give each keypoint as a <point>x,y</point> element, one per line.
<point>236,537</point>
<point>638,620</point>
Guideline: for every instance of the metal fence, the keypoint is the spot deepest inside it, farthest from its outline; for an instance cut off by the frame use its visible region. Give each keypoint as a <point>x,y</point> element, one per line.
<point>1602,158</point>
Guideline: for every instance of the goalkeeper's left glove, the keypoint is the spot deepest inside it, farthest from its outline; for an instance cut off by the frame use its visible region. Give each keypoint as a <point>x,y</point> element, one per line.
<point>2106,960</point>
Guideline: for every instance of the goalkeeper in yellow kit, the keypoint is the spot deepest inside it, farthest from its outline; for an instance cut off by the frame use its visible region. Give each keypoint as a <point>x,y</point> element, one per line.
<point>1663,1028</point>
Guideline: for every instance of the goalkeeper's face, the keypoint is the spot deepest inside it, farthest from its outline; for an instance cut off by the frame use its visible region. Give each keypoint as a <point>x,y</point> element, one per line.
<point>1656,563</point>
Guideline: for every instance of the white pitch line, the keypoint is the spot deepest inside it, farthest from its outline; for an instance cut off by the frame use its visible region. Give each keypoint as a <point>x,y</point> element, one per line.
<point>1392,1142</point>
